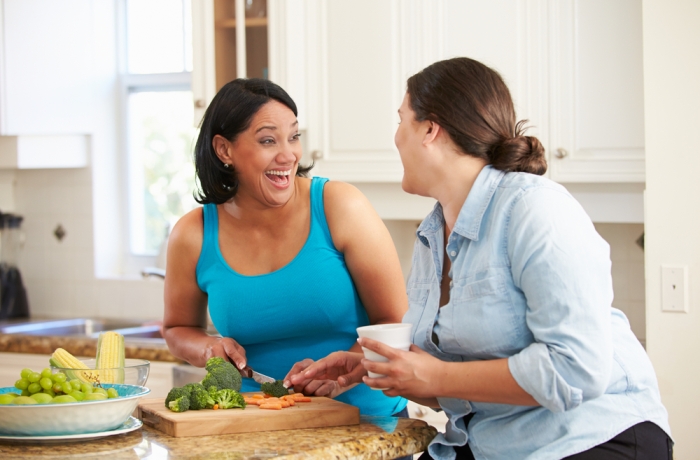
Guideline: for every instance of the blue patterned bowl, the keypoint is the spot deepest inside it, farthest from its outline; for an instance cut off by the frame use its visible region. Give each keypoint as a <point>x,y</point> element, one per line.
<point>72,418</point>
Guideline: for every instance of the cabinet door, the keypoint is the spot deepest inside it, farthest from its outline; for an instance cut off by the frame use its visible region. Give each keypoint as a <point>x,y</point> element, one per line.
<point>596,91</point>
<point>46,76</point>
<point>359,55</point>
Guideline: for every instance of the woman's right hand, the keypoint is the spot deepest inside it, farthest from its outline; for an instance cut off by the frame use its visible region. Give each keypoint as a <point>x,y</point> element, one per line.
<point>343,367</point>
<point>227,348</point>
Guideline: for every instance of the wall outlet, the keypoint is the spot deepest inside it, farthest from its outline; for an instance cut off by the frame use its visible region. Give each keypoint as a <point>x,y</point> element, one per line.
<point>674,288</point>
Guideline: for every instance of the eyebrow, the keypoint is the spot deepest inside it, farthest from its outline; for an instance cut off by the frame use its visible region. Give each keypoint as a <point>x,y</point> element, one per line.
<point>273,128</point>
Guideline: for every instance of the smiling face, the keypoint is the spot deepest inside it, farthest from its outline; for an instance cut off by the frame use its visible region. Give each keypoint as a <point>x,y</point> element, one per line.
<point>265,156</point>
<point>409,139</point>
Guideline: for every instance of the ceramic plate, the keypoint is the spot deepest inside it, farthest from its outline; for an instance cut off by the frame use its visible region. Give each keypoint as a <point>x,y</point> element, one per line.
<point>130,425</point>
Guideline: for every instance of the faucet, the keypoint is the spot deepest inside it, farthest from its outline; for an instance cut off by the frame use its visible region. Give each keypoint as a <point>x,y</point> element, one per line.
<point>153,271</point>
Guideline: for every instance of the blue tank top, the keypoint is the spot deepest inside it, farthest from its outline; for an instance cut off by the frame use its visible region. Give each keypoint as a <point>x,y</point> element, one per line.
<point>306,309</point>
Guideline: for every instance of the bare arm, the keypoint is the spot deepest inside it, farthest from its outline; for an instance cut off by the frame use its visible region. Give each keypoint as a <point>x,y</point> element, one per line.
<point>371,258</point>
<point>185,318</point>
<point>369,251</point>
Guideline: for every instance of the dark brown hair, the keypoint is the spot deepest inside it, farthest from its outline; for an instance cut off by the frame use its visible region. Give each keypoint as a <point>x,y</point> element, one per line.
<point>472,103</point>
<point>228,115</point>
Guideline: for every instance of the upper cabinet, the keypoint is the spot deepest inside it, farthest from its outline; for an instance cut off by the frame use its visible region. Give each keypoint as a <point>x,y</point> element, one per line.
<point>574,69</point>
<point>226,47</point>
<point>45,81</point>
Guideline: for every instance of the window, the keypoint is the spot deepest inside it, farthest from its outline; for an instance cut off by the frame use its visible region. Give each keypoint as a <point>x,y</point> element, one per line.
<point>159,119</point>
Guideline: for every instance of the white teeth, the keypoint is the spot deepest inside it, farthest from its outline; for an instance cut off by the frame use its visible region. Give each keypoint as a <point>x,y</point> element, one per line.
<point>279,173</point>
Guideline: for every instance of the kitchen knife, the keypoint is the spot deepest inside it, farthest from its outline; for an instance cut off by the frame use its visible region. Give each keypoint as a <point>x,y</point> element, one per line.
<point>249,373</point>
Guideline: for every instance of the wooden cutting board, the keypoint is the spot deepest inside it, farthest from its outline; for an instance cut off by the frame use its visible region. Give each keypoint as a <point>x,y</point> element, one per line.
<point>320,412</point>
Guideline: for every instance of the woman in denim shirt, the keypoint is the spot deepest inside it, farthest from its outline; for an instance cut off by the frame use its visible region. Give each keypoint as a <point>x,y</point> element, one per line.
<point>510,294</point>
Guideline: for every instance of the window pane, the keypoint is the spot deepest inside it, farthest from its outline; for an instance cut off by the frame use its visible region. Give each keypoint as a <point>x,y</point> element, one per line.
<point>161,172</point>
<point>159,36</point>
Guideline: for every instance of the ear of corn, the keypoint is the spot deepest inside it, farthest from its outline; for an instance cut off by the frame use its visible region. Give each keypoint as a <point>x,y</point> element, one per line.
<point>61,358</point>
<point>110,357</point>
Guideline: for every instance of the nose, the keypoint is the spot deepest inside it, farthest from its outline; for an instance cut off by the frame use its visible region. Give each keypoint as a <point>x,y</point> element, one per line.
<point>288,153</point>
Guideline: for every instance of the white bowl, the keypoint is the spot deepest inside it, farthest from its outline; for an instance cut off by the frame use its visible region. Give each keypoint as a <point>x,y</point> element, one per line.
<point>70,418</point>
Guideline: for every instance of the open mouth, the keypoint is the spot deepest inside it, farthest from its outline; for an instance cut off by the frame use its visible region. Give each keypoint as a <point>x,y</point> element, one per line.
<point>278,177</point>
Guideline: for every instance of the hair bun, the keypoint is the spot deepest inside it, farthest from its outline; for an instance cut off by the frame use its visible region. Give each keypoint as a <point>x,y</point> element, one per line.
<point>520,154</point>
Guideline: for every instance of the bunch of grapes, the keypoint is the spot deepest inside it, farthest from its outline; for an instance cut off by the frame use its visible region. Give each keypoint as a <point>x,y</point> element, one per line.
<point>48,387</point>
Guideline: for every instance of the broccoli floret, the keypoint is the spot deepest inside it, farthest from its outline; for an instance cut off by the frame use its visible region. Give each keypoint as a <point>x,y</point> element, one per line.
<point>176,393</point>
<point>180,404</point>
<point>229,399</point>
<point>199,396</point>
<point>275,388</point>
<point>221,374</point>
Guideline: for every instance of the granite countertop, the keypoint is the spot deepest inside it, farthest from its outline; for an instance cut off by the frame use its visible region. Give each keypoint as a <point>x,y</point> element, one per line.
<point>151,350</point>
<point>373,438</point>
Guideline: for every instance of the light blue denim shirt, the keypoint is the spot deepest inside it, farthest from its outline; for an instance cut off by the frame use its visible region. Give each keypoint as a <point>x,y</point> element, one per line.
<point>531,282</point>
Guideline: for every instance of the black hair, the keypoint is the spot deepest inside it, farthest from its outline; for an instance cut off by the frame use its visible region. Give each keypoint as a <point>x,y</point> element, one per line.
<point>472,103</point>
<point>228,115</point>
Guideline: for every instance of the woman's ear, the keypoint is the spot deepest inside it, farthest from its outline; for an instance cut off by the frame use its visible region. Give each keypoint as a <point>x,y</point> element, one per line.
<point>222,147</point>
<point>432,132</point>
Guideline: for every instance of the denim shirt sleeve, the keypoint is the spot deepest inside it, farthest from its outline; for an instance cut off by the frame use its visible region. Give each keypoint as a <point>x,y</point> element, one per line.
<point>562,266</point>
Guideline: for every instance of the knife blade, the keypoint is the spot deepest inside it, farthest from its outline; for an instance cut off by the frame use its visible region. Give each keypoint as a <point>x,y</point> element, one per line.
<point>249,373</point>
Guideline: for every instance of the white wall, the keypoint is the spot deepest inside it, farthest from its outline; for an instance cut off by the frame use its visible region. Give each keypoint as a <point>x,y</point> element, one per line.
<point>672,205</point>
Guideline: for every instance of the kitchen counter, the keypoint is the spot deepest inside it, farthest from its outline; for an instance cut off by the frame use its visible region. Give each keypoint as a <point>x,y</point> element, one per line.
<point>151,350</point>
<point>373,438</point>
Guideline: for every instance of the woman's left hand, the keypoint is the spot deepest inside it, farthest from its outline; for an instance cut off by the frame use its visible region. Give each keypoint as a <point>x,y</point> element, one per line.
<point>312,387</point>
<point>411,373</point>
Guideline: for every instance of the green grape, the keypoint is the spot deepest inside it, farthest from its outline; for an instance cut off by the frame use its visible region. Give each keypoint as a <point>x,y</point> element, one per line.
<point>66,387</point>
<point>75,383</point>
<point>112,393</point>
<point>50,392</point>
<point>24,400</point>
<point>57,388</point>
<point>41,398</point>
<point>61,399</point>
<point>34,377</point>
<point>25,372</point>
<point>25,393</point>
<point>46,373</point>
<point>78,395</point>
<point>59,377</point>
<point>100,391</point>
<point>95,397</point>
<point>34,388</point>
<point>46,383</point>
<point>7,398</point>
<point>22,384</point>
<point>86,388</point>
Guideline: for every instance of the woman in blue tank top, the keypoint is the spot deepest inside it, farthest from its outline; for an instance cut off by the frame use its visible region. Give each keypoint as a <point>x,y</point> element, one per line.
<point>289,267</point>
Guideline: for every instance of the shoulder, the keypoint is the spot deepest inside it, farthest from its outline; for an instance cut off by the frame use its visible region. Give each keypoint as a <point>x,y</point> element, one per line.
<point>349,214</point>
<point>344,197</point>
<point>188,233</point>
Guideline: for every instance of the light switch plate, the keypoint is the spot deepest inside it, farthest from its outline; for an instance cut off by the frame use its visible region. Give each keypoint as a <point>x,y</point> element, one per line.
<point>674,288</point>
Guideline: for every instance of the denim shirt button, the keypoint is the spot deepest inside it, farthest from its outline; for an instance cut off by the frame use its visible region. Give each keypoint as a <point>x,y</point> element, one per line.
<point>453,253</point>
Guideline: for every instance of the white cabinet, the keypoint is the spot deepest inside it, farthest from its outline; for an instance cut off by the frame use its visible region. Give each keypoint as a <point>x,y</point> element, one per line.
<point>574,69</point>
<point>45,82</point>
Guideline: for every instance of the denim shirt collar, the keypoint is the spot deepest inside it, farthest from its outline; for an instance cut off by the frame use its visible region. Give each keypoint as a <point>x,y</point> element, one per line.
<point>472,212</point>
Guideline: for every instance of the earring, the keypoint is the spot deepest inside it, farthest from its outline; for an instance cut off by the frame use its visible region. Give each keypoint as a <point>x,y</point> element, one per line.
<point>227,166</point>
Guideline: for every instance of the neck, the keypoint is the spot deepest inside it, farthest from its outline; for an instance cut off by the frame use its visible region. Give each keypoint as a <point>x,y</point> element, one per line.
<point>455,182</point>
<point>248,210</point>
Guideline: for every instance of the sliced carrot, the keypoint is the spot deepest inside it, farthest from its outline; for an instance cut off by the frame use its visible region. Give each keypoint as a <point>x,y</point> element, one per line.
<point>216,406</point>
<point>258,396</point>
<point>304,399</point>
<point>274,406</point>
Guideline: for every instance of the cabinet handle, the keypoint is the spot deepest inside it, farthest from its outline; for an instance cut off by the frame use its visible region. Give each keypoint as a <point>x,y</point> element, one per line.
<point>199,103</point>
<point>316,155</point>
<point>560,153</point>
